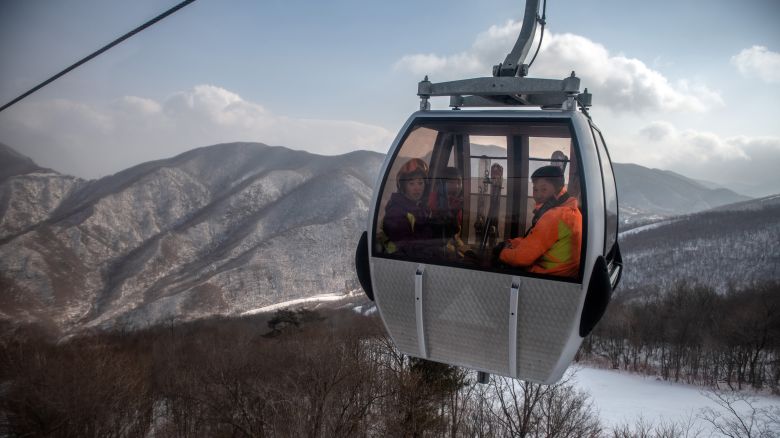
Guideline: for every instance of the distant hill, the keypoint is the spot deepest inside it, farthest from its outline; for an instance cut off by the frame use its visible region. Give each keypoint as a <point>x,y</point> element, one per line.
<point>733,245</point>
<point>216,230</point>
<point>648,195</point>
<point>225,229</point>
<point>13,163</point>
<point>29,193</point>
<point>651,194</point>
<point>751,205</point>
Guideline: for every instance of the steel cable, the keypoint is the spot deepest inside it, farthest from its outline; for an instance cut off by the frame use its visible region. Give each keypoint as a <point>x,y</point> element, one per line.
<point>98,52</point>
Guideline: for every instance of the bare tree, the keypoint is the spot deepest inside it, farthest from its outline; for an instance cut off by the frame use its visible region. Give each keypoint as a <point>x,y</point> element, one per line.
<point>642,428</point>
<point>532,409</point>
<point>739,417</point>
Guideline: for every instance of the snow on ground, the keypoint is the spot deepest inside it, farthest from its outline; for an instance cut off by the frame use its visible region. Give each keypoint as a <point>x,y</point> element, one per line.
<point>620,397</point>
<point>623,397</point>
<point>314,299</point>
<point>646,227</point>
<point>366,310</point>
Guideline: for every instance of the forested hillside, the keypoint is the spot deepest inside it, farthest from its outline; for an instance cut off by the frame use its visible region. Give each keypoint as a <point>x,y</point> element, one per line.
<point>214,231</point>
<point>694,334</point>
<point>305,373</point>
<point>717,249</point>
<point>228,228</point>
<point>298,373</point>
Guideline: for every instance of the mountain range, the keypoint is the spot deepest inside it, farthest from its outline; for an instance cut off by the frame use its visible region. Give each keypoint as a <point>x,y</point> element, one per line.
<point>646,195</point>
<point>215,230</point>
<point>729,247</point>
<point>222,229</point>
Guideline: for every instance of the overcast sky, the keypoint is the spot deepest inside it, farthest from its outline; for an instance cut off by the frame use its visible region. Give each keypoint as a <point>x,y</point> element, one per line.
<point>689,86</point>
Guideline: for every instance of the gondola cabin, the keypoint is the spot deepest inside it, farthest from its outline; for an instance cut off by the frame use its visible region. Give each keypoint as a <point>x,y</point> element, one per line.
<point>457,185</point>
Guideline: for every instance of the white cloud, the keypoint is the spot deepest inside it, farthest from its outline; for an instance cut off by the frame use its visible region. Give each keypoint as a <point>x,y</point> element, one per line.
<point>422,64</point>
<point>137,105</point>
<point>658,130</point>
<point>616,81</point>
<point>760,62</point>
<point>738,161</point>
<point>94,140</point>
<point>690,145</point>
<point>489,48</point>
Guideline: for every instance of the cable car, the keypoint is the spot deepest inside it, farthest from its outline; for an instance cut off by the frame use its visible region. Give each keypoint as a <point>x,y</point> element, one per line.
<point>452,254</point>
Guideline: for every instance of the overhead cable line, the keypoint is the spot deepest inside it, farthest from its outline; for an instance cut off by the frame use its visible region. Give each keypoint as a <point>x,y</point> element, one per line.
<point>98,52</point>
<point>543,22</point>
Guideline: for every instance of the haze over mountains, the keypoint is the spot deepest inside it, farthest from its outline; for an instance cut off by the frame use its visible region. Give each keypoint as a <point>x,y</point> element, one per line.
<point>650,194</point>
<point>222,230</point>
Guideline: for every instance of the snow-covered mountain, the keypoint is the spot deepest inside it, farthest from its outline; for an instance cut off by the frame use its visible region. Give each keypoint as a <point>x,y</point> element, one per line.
<point>230,228</point>
<point>733,245</point>
<point>652,194</point>
<point>13,163</point>
<point>216,230</point>
<point>28,192</point>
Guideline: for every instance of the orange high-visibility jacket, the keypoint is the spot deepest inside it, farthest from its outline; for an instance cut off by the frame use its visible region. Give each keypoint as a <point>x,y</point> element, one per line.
<point>553,245</point>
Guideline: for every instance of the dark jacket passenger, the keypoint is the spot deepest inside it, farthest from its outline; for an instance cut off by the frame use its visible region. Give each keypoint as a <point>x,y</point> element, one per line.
<point>408,228</point>
<point>447,220</point>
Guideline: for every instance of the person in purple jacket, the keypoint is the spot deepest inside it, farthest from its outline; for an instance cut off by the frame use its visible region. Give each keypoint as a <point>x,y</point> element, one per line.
<point>407,223</point>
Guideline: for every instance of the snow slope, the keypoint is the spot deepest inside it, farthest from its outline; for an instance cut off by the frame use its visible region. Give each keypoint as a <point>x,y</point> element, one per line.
<point>623,397</point>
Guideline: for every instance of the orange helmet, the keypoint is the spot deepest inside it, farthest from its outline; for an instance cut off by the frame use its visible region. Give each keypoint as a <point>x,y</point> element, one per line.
<point>414,168</point>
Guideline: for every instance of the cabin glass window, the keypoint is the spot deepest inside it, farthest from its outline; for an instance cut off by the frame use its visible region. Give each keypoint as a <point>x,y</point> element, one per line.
<point>550,151</point>
<point>456,191</point>
<point>610,193</point>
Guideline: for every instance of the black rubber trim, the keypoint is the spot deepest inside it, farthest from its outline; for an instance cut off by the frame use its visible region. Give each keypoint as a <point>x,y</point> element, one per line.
<point>597,299</point>
<point>362,266</point>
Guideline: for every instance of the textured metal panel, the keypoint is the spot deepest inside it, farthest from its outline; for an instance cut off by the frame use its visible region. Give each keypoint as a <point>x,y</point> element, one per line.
<point>394,295</point>
<point>466,318</point>
<point>547,318</point>
<point>467,314</point>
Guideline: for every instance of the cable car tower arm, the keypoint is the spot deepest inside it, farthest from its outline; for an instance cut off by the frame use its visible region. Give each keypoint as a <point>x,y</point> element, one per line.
<point>509,85</point>
<point>513,64</point>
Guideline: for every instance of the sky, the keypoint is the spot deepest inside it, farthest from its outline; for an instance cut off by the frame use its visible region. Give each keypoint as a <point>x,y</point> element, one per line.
<point>689,86</point>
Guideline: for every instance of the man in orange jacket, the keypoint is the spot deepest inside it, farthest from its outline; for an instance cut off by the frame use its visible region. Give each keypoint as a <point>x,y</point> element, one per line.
<point>552,245</point>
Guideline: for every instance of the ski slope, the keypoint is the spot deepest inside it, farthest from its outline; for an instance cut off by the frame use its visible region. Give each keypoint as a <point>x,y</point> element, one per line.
<point>622,398</point>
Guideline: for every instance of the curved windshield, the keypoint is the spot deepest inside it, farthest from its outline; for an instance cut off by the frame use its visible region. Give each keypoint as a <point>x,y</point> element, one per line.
<point>499,196</point>
<point>610,193</point>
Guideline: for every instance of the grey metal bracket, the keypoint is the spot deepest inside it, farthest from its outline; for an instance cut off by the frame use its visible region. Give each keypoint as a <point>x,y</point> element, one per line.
<point>513,64</point>
<point>418,309</point>
<point>503,91</point>
<point>505,88</point>
<point>514,298</point>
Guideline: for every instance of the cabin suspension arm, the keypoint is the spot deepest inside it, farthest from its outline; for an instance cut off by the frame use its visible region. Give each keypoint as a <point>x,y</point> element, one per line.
<point>513,64</point>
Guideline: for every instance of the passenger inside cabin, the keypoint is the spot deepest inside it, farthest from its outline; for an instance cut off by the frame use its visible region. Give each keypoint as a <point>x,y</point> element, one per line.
<point>446,204</point>
<point>553,243</point>
<point>407,224</point>
<point>558,158</point>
